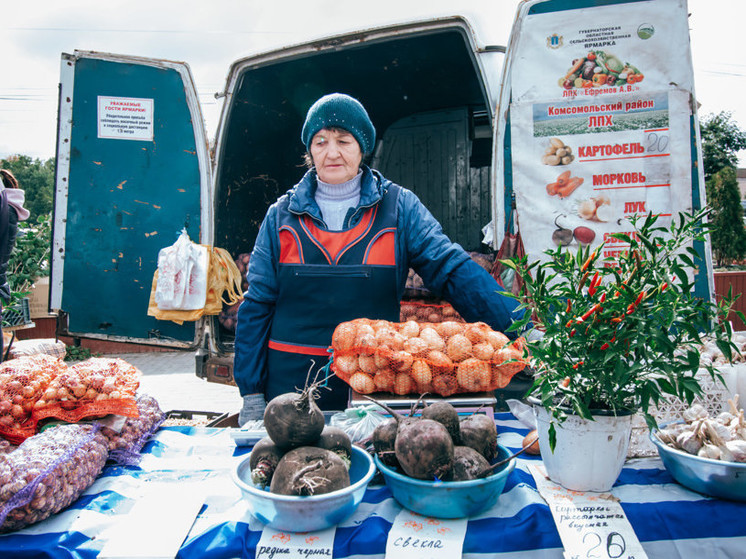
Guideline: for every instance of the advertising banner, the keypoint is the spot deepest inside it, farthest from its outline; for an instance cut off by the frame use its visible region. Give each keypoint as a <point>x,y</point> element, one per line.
<point>600,122</point>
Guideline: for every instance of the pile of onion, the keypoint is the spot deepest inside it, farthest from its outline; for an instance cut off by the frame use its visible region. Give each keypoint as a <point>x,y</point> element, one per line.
<point>410,357</point>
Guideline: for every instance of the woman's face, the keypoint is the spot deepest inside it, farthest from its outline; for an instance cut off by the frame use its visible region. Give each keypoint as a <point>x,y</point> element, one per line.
<point>336,155</point>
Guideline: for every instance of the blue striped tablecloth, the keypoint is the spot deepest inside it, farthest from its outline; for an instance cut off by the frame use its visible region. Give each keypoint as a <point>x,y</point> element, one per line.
<point>669,520</point>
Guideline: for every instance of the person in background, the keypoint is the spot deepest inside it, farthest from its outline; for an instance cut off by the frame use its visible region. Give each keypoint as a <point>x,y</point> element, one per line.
<point>11,212</point>
<point>338,246</point>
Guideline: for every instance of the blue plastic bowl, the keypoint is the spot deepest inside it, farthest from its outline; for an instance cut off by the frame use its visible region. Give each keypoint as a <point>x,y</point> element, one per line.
<point>306,514</point>
<point>726,480</point>
<point>448,499</point>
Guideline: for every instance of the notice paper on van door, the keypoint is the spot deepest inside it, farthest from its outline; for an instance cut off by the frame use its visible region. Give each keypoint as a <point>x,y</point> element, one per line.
<point>125,118</point>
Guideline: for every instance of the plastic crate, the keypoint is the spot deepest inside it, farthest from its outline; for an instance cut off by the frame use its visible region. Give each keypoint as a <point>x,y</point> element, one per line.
<point>193,418</point>
<point>17,315</point>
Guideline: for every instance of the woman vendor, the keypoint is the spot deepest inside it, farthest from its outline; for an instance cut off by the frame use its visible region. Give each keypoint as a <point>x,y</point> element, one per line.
<point>338,246</point>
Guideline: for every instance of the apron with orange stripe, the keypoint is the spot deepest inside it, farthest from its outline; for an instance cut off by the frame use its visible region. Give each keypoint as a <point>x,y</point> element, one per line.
<point>324,278</point>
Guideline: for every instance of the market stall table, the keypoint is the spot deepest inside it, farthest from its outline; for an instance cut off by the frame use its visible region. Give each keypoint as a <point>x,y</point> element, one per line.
<point>669,520</point>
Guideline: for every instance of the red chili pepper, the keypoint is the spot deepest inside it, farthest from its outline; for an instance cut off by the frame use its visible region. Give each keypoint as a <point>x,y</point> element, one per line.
<point>573,332</point>
<point>569,305</point>
<point>590,311</point>
<point>640,297</point>
<point>616,320</point>
<point>603,298</point>
<point>604,347</point>
<point>582,280</point>
<point>664,286</point>
<point>569,323</point>
<point>591,291</point>
<point>590,259</point>
<point>578,364</point>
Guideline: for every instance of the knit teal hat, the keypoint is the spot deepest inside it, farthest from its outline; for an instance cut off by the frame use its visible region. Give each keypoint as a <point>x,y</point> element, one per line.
<point>341,111</point>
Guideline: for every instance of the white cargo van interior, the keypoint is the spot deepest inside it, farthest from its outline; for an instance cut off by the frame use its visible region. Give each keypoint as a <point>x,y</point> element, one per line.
<point>426,95</point>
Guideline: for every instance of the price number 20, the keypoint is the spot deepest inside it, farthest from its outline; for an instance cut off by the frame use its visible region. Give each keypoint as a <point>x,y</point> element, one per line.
<point>615,545</point>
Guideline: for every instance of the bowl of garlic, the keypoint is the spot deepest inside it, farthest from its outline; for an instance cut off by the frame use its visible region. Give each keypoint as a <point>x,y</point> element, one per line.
<point>706,454</point>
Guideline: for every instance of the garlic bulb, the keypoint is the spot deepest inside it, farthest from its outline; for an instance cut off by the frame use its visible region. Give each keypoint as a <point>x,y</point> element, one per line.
<point>737,449</point>
<point>709,451</point>
<point>689,441</point>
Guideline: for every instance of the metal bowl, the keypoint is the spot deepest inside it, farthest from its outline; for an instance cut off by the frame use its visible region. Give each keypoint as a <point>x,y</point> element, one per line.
<point>306,514</point>
<point>716,478</point>
<point>447,499</point>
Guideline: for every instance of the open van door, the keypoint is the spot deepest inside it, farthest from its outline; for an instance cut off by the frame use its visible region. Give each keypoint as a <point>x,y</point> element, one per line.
<point>599,92</point>
<point>133,170</point>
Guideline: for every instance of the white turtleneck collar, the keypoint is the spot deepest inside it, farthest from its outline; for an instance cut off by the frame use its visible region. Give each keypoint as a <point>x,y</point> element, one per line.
<point>335,200</point>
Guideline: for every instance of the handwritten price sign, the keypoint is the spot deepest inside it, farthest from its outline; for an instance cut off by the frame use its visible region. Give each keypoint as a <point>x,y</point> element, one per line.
<point>591,525</point>
<point>275,544</point>
<point>421,537</point>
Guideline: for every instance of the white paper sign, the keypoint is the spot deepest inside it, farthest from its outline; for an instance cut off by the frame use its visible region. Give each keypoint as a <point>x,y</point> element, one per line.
<point>125,118</point>
<point>589,524</point>
<point>413,536</point>
<point>289,545</point>
<point>157,524</point>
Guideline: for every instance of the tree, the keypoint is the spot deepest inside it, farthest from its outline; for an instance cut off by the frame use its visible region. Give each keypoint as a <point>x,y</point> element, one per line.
<point>728,235</point>
<point>36,178</point>
<point>722,139</point>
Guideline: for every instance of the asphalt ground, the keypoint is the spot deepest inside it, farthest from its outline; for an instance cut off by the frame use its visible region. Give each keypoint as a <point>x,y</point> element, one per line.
<point>169,378</point>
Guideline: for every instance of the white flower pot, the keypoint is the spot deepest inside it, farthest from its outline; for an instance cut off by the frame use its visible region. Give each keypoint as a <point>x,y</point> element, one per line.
<point>589,454</point>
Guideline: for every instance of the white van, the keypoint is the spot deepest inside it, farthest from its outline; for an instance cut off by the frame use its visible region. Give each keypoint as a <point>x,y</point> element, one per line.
<point>463,124</point>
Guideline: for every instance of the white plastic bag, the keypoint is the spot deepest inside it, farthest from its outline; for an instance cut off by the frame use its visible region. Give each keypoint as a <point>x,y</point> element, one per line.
<point>182,275</point>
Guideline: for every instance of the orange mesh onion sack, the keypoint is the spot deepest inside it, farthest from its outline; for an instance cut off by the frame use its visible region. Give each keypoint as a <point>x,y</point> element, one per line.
<point>22,382</point>
<point>92,388</point>
<point>442,358</point>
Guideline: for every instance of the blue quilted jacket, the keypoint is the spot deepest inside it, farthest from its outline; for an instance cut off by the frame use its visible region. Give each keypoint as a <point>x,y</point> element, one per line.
<point>446,269</point>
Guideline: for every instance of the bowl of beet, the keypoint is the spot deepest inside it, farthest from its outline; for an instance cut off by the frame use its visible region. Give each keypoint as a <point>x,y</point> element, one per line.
<point>306,513</point>
<point>447,499</point>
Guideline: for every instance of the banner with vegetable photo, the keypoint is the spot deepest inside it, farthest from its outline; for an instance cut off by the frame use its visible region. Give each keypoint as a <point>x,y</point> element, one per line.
<point>583,168</point>
<point>610,50</point>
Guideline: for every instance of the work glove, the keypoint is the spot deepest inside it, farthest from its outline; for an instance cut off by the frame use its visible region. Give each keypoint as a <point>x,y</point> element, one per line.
<point>534,335</point>
<point>253,408</point>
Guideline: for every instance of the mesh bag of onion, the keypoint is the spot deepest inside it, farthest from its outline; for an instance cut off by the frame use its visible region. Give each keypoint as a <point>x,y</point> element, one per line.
<point>22,382</point>
<point>423,311</point>
<point>125,444</point>
<point>47,472</point>
<point>92,388</point>
<point>442,358</point>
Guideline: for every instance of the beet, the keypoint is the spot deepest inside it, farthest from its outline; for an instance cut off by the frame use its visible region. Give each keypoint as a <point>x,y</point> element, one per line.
<point>383,438</point>
<point>424,449</point>
<point>309,470</point>
<point>446,414</point>
<point>294,419</point>
<point>263,461</point>
<point>335,439</point>
<point>479,432</point>
<point>467,463</point>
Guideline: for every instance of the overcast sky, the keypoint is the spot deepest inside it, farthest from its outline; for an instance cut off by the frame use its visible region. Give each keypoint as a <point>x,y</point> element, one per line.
<point>209,35</point>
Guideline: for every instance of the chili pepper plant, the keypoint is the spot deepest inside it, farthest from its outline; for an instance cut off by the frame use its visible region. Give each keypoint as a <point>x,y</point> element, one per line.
<point>621,334</point>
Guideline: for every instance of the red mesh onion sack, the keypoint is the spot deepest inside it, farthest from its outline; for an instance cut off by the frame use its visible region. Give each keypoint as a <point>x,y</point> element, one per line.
<point>47,472</point>
<point>23,381</point>
<point>442,358</point>
<point>92,388</point>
